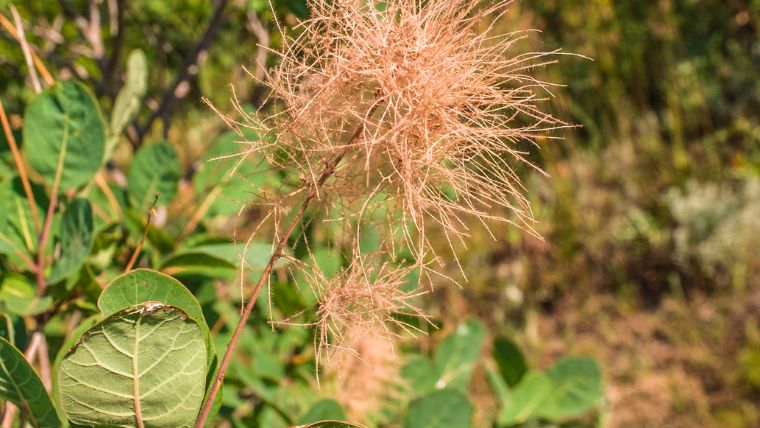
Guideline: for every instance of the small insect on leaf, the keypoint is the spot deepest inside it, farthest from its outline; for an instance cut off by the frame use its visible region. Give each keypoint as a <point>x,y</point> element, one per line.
<point>150,308</point>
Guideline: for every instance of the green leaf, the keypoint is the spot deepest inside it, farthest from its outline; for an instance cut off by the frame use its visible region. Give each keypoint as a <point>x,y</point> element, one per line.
<point>63,126</point>
<point>18,296</point>
<point>145,285</point>
<point>155,169</point>
<point>6,328</point>
<point>421,375</point>
<point>20,385</point>
<point>131,94</point>
<point>510,360</point>
<point>322,411</point>
<point>569,389</point>
<point>447,408</point>
<point>526,399</point>
<point>456,356</point>
<point>7,163</point>
<point>220,259</point>
<point>577,388</point>
<point>142,363</point>
<point>76,238</point>
<point>17,232</point>
<point>78,332</point>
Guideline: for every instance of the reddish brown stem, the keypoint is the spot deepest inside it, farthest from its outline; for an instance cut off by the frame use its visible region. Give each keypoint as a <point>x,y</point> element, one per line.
<point>20,166</point>
<point>327,172</point>
<point>278,252</point>
<point>45,235</point>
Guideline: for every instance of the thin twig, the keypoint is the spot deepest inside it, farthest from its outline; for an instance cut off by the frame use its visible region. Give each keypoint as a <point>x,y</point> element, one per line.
<point>116,25</point>
<point>10,415</point>
<point>199,213</point>
<point>26,50</point>
<point>20,167</point>
<point>44,360</point>
<point>190,68</point>
<point>101,182</point>
<point>278,253</point>
<point>139,247</point>
<point>46,76</point>
<point>45,235</point>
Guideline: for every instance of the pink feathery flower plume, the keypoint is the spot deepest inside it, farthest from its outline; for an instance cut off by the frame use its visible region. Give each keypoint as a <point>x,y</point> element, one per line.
<point>429,114</point>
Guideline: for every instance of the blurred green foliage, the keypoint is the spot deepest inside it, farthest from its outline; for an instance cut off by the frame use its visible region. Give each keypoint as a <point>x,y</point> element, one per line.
<point>652,200</point>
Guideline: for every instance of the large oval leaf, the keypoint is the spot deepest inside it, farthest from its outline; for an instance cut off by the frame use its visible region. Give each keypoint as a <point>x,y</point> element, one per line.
<point>144,365</point>
<point>145,285</point>
<point>63,129</point>
<point>76,238</point>
<point>155,169</point>
<point>20,385</point>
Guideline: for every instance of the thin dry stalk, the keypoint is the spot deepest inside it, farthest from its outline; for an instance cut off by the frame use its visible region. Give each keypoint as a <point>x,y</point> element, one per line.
<point>26,50</point>
<point>20,167</point>
<point>46,76</point>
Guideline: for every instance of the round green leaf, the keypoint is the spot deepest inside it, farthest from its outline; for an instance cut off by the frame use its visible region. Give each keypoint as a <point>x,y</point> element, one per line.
<point>63,129</point>
<point>20,385</point>
<point>145,285</point>
<point>143,363</point>
<point>446,408</point>
<point>155,169</point>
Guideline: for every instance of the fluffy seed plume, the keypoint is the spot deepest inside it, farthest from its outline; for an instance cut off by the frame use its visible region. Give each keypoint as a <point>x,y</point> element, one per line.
<point>367,378</point>
<point>426,110</point>
<point>363,299</point>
